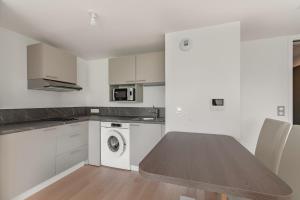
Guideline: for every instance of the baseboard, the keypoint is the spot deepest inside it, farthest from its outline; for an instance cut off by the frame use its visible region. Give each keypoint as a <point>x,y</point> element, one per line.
<point>48,182</point>
<point>134,168</point>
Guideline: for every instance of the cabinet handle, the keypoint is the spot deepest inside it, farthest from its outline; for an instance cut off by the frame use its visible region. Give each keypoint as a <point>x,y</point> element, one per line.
<point>54,77</point>
<point>130,81</point>
<point>75,135</point>
<point>49,129</point>
<point>134,125</point>
<point>75,124</point>
<point>75,151</point>
<point>141,81</point>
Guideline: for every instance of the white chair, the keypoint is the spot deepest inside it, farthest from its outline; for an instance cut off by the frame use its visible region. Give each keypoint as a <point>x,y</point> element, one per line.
<point>290,162</point>
<point>270,145</point>
<point>271,142</point>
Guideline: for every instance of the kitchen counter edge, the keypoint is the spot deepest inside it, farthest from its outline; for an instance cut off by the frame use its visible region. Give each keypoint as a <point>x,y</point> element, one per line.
<point>27,126</point>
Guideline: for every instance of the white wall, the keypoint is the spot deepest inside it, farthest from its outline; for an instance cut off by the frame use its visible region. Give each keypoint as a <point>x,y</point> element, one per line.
<point>265,84</point>
<point>98,94</point>
<point>92,76</point>
<point>13,78</point>
<point>211,69</point>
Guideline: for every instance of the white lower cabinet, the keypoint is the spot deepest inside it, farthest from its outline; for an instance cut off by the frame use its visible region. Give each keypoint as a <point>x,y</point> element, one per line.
<point>71,137</point>
<point>143,137</point>
<point>72,146</point>
<point>94,143</point>
<point>71,158</point>
<point>32,157</point>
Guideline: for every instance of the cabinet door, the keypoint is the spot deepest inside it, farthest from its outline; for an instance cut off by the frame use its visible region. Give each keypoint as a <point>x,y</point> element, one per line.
<point>71,158</point>
<point>94,143</point>
<point>59,65</point>
<point>122,70</point>
<point>34,158</point>
<point>7,164</point>
<point>143,137</point>
<point>150,68</point>
<point>73,136</point>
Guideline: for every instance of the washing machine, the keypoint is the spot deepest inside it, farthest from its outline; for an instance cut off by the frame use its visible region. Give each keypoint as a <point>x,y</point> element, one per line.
<point>115,149</point>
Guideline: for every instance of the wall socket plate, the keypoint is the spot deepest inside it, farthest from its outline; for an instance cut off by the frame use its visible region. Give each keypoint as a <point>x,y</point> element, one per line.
<point>280,110</point>
<point>95,110</point>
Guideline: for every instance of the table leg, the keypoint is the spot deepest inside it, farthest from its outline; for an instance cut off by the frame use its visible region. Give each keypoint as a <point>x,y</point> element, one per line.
<point>211,196</point>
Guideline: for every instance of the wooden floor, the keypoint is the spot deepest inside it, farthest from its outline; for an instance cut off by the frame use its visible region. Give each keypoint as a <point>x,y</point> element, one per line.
<point>104,183</point>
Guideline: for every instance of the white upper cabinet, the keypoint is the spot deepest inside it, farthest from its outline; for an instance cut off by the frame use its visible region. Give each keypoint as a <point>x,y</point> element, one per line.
<point>150,68</point>
<point>122,70</point>
<point>46,62</point>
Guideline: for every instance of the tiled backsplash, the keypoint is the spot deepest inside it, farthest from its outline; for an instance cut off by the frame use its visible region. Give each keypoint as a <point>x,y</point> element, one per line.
<point>8,116</point>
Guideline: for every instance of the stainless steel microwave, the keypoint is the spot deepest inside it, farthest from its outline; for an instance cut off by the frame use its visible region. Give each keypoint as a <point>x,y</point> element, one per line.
<point>123,94</point>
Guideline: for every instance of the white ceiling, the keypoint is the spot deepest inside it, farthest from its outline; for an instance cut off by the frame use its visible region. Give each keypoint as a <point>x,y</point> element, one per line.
<point>131,26</point>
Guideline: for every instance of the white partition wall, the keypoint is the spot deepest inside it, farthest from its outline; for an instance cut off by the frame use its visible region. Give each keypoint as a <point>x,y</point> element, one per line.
<point>265,84</point>
<point>210,69</point>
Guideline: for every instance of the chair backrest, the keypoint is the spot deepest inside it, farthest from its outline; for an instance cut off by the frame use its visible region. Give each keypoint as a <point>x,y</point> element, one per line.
<point>290,162</point>
<point>271,142</point>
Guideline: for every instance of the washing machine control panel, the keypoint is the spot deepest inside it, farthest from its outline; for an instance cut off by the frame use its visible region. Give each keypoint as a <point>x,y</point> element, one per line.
<point>115,125</point>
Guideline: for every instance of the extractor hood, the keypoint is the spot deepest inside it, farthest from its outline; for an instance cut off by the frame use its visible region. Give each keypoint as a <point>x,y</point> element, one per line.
<point>50,85</point>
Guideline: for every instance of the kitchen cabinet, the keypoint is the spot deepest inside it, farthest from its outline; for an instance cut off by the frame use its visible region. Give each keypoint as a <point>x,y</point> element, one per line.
<point>71,158</point>
<point>147,69</point>
<point>150,68</point>
<point>72,136</point>
<point>27,159</point>
<point>143,138</point>
<point>94,143</point>
<point>47,62</point>
<point>72,146</point>
<point>7,153</point>
<point>32,157</point>
<point>163,130</point>
<point>122,70</point>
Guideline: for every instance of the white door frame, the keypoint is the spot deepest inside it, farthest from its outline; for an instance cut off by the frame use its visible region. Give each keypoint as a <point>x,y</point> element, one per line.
<point>290,78</point>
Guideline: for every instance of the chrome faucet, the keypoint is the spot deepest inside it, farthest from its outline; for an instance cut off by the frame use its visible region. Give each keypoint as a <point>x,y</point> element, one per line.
<point>155,111</point>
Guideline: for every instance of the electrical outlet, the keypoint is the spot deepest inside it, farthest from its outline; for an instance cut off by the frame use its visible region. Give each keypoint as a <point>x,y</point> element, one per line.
<point>178,110</point>
<point>95,110</point>
<point>280,110</point>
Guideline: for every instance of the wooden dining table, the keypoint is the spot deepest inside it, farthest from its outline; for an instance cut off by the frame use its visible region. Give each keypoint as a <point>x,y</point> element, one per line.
<point>216,164</point>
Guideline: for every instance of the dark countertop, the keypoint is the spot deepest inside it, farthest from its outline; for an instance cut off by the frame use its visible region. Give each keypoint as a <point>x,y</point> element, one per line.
<point>26,126</point>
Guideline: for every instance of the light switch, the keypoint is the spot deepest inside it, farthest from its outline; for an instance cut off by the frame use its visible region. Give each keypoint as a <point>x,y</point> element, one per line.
<point>217,104</point>
<point>280,110</point>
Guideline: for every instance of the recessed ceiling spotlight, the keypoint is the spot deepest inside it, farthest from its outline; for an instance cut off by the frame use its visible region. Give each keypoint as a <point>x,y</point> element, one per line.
<point>93,17</point>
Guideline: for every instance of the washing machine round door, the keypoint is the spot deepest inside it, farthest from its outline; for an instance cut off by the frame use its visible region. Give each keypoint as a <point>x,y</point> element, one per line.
<point>116,143</point>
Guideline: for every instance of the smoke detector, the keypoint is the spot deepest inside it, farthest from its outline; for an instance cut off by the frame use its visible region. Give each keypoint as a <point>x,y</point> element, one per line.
<point>93,17</point>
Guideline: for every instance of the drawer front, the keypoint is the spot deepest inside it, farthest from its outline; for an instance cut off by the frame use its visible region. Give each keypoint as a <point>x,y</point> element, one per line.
<point>73,136</point>
<point>69,159</point>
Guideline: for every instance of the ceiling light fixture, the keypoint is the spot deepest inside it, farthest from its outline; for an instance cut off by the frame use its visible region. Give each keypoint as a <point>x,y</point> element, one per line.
<point>93,17</point>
